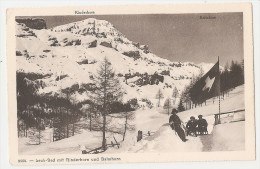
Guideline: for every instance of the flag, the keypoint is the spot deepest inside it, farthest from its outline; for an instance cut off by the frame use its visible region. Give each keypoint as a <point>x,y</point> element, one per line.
<point>206,87</point>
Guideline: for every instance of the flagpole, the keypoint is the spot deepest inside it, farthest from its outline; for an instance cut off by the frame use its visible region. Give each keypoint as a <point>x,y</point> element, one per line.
<point>219,94</point>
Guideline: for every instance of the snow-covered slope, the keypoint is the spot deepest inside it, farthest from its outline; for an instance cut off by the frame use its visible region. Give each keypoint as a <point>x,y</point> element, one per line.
<point>70,54</point>
<point>228,136</point>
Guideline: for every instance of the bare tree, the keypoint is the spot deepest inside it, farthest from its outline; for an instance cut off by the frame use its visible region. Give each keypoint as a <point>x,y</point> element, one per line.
<point>159,96</point>
<point>167,105</point>
<point>175,94</point>
<point>107,90</point>
<point>35,134</point>
<point>128,115</point>
<point>128,126</point>
<point>91,110</point>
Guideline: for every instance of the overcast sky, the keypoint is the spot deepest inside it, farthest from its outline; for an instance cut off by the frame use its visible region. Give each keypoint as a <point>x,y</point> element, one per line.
<point>177,37</point>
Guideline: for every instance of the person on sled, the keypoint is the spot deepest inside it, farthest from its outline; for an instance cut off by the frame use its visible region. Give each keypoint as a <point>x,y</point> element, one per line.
<point>176,124</point>
<point>202,125</point>
<point>192,126</point>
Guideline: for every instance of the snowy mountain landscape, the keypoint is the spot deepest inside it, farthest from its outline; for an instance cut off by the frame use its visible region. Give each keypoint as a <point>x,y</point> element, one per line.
<point>74,51</point>
<point>67,57</point>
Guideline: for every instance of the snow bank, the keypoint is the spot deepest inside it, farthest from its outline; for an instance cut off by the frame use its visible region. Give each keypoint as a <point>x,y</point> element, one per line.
<point>227,137</point>
<point>166,140</point>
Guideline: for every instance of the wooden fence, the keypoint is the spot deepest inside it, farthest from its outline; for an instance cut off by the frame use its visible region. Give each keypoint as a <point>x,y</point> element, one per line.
<point>140,135</point>
<point>218,115</point>
<point>102,149</point>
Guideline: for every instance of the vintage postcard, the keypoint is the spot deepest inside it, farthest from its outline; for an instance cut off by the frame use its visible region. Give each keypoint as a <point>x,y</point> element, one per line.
<point>130,83</point>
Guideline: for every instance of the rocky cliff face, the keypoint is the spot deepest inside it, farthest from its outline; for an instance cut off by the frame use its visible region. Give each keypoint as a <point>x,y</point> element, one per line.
<point>33,23</point>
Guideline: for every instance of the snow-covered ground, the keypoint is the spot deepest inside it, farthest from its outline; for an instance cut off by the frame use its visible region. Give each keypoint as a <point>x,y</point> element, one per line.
<point>227,136</point>
<point>163,140</point>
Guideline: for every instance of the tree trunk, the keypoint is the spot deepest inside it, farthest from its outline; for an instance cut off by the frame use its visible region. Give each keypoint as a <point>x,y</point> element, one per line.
<point>73,128</point>
<point>104,111</point>
<point>39,136</point>
<point>53,131</point>
<point>169,106</point>
<point>90,122</point>
<point>61,126</point>
<point>67,123</point>
<point>25,130</point>
<point>125,126</point>
<point>28,112</point>
<point>104,132</point>
<point>18,128</point>
<point>67,131</point>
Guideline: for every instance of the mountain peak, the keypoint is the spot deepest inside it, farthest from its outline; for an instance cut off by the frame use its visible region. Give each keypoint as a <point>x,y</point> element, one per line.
<point>89,26</point>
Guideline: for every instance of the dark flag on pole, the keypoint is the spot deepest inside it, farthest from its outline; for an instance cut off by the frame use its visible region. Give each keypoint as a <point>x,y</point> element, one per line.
<point>207,87</point>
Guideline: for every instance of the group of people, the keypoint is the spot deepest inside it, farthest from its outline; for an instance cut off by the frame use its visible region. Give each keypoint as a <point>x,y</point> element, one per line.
<point>193,127</point>
<point>196,127</point>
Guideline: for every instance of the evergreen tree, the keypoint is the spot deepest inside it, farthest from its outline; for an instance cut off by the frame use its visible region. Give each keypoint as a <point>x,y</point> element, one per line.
<point>26,97</point>
<point>180,106</point>
<point>236,74</point>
